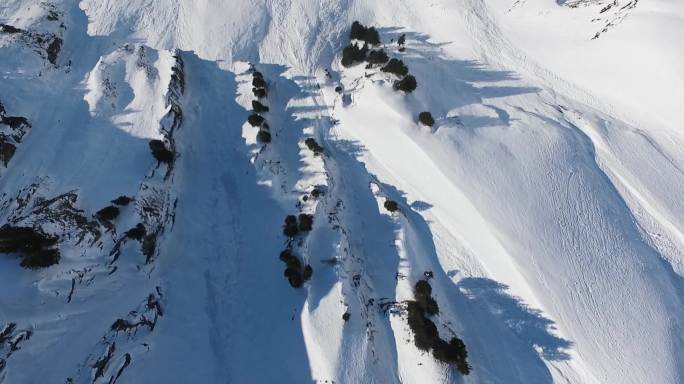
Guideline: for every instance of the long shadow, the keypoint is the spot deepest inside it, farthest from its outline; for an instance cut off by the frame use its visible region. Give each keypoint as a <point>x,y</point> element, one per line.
<point>506,339</point>
<point>253,310</point>
<point>466,82</point>
<point>373,258</point>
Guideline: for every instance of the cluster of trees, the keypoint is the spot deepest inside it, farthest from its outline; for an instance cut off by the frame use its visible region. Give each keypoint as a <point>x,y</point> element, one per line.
<point>295,274</point>
<point>356,53</point>
<point>37,249</point>
<point>255,119</point>
<point>369,35</point>
<point>426,335</point>
<point>293,224</point>
<point>358,49</point>
<point>258,85</point>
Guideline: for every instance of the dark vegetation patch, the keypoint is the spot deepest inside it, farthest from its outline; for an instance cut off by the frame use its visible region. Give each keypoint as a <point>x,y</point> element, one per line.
<point>258,82</point>
<point>346,316</point>
<point>367,34</point>
<point>10,139</point>
<point>290,229</point>
<point>108,213</point>
<point>263,137</point>
<point>307,273</point>
<point>402,40</point>
<point>7,151</point>
<point>255,120</point>
<point>353,54</point>
<point>426,335</point>
<point>377,57</point>
<point>259,92</point>
<point>295,274</point>
<point>137,233</point>
<point>426,119</point>
<point>305,222</point>
<point>160,152</point>
<point>408,84</point>
<point>313,145</point>
<point>122,200</point>
<point>6,28</point>
<point>316,192</point>
<point>258,107</point>
<point>53,50</point>
<point>37,249</point>
<point>396,67</point>
<point>391,205</point>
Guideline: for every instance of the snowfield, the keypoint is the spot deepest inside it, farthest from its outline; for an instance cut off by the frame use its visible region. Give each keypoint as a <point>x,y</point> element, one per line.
<point>545,206</point>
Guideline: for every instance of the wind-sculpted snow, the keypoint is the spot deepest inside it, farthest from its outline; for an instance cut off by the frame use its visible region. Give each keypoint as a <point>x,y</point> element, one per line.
<point>542,205</point>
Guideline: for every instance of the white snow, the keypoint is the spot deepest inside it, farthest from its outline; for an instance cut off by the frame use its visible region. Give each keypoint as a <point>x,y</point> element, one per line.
<point>546,200</point>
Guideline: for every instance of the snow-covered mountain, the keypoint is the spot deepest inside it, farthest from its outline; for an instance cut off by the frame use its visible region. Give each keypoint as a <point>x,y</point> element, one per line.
<point>199,191</point>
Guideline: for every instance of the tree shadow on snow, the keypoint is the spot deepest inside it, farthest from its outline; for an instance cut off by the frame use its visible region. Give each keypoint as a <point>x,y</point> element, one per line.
<point>450,87</point>
<point>507,340</point>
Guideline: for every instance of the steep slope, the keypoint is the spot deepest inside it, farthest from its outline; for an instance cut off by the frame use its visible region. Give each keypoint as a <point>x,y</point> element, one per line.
<point>543,206</point>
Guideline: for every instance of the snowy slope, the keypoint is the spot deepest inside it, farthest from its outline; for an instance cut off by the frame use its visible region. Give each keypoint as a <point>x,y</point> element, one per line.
<point>546,201</point>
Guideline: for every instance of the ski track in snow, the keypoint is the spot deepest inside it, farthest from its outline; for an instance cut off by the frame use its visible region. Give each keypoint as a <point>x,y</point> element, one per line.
<point>546,209</point>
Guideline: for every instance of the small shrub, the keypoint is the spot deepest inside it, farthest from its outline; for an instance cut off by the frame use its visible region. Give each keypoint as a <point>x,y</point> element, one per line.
<point>396,67</point>
<point>402,39</point>
<point>122,200</point>
<point>305,222</point>
<point>255,120</point>
<point>258,82</point>
<point>108,213</point>
<point>263,137</point>
<point>160,152</point>
<point>308,272</point>
<point>137,233</point>
<point>353,54</point>
<point>290,229</point>
<point>426,119</point>
<point>427,335</point>
<point>259,92</point>
<point>313,145</point>
<point>408,84</point>
<point>346,316</point>
<point>377,57</point>
<point>258,107</point>
<point>338,89</point>
<point>391,205</point>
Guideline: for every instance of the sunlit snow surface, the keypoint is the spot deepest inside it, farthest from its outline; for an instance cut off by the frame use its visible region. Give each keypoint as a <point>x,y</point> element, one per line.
<point>547,200</point>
